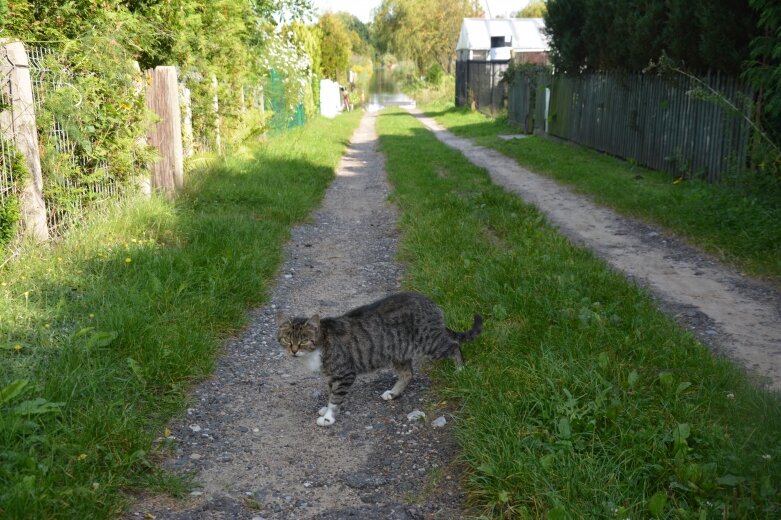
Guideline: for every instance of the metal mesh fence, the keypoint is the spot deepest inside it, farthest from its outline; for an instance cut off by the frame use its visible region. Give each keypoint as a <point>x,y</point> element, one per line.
<point>7,153</point>
<point>10,168</point>
<point>72,181</point>
<point>285,114</point>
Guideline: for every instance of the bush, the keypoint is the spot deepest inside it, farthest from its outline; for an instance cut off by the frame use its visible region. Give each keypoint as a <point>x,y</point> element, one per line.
<point>10,210</point>
<point>434,74</point>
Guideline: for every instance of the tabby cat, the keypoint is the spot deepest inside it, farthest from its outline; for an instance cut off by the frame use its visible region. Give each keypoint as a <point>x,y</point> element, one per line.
<point>391,332</point>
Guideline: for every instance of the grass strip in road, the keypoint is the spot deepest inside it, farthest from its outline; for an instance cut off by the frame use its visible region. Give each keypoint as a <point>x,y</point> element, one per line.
<point>102,335</point>
<point>580,399</point>
<point>743,226</point>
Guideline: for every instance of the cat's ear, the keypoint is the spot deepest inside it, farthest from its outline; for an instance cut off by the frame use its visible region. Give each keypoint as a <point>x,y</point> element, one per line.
<point>314,321</point>
<point>281,319</point>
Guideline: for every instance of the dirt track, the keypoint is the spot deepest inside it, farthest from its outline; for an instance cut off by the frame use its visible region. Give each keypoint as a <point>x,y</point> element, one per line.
<point>250,436</point>
<point>734,315</point>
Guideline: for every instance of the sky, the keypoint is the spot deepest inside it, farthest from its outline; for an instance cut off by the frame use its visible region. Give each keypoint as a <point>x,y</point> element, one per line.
<point>363,8</point>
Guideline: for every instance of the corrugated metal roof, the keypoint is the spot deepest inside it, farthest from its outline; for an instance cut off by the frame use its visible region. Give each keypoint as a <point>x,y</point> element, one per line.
<point>527,33</point>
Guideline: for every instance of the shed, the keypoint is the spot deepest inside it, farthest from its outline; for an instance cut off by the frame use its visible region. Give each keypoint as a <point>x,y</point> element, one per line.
<point>484,50</point>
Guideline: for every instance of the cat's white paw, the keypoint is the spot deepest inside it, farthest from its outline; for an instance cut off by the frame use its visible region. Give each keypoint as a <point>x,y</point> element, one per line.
<point>328,416</point>
<point>325,421</point>
<point>322,411</point>
<point>388,395</point>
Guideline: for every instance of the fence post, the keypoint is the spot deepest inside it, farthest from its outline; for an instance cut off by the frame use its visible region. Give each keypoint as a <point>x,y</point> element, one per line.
<point>162,98</point>
<point>23,133</point>
<point>216,109</point>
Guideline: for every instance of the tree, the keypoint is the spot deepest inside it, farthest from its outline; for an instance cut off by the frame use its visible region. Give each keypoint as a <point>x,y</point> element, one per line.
<point>535,9</point>
<point>335,46</point>
<point>424,31</point>
<point>702,35</point>
<point>763,70</point>
<point>568,46</point>
<point>359,33</point>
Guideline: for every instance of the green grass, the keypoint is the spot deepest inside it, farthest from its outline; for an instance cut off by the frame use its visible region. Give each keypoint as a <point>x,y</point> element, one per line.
<point>111,327</point>
<point>580,399</point>
<point>741,226</point>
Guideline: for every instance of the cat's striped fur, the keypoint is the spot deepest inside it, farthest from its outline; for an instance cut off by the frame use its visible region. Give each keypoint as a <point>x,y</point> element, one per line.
<point>391,332</point>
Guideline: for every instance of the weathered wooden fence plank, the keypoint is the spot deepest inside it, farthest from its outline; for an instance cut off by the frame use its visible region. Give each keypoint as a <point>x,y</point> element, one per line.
<point>22,132</point>
<point>166,135</point>
<point>653,120</point>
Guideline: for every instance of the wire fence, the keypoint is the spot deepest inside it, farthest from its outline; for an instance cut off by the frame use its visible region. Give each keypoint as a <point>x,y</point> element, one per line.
<point>76,181</point>
<point>7,151</point>
<point>73,182</point>
<point>287,113</point>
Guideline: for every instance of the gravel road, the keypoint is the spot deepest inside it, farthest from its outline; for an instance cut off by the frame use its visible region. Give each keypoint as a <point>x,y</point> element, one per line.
<point>733,315</point>
<point>250,436</point>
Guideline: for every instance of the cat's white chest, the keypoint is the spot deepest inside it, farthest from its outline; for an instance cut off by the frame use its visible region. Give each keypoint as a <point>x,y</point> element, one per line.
<point>312,361</point>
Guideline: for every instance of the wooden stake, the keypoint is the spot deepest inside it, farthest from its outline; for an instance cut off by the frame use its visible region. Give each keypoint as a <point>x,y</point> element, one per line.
<point>162,98</point>
<point>22,131</point>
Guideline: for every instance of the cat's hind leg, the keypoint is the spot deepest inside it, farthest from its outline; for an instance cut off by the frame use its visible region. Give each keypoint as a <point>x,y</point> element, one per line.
<point>404,372</point>
<point>337,389</point>
<point>457,356</point>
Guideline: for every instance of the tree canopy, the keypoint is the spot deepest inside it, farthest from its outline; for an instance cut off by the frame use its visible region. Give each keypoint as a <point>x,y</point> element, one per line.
<point>424,31</point>
<point>703,35</point>
<point>534,9</point>
<point>335,46</point>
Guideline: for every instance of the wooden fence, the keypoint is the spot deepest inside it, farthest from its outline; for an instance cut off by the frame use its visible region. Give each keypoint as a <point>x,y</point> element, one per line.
<point>480,82</point>
<point>671,124</point>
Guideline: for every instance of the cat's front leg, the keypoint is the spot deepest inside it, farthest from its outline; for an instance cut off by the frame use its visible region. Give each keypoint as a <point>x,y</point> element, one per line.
<point>337,389</point>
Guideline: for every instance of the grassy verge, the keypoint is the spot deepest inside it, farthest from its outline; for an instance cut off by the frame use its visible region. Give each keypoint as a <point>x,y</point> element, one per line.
<point>742,227</point>
<point>104,333</point>
<point>580,399</point>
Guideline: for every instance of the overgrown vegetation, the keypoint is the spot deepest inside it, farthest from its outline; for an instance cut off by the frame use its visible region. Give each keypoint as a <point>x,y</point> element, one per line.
<point>10,211</point>
<point>580,399</point>
<point>88,60</point>
<point>102,334</point>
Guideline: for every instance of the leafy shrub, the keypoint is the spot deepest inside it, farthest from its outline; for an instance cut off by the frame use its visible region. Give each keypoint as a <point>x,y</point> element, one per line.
<point>435,74</point>
<point>10,211</point>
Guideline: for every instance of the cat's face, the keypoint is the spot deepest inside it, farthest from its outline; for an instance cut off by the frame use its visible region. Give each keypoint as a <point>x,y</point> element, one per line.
<point>298,335</point>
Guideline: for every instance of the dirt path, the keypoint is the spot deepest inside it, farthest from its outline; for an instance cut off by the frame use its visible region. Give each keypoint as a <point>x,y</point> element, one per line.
<point>250,436</point>
<point>735,316</point>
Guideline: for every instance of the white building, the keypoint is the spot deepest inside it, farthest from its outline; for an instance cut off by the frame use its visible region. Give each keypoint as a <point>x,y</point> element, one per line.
<point>502,39</point>
<point>484,50</point>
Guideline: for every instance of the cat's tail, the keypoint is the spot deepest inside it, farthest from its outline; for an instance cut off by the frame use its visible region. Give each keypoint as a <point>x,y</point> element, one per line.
<point>471,334</point>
